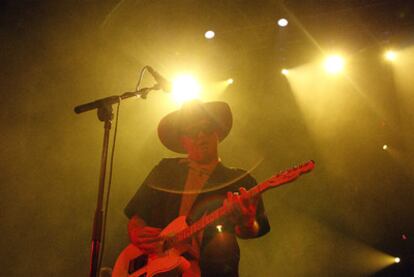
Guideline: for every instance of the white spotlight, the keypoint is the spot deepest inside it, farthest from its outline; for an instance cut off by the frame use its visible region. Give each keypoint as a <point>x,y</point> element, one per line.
<point>209,34</point>
<point>284,71</point>
<point>282,22</point>
<point>334,64</point>
<point>390,55</point>
<point>185,88</point>
<point>397,260</point>
<point>385,147</point>
<point>230,81</point>
<point>219,228</point>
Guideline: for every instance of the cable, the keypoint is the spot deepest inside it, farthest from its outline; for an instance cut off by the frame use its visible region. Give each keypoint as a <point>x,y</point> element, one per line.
<point>111,163</point>
<point>141,75</point>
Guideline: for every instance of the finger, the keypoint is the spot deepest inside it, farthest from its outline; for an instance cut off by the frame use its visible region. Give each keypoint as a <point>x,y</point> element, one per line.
<point>226,204</point>
<point>229,205</point>
<point>247,204</point>
<point>231,200</point>
<point>150,232</point>
<point>144,241</point>
<point>236,206</point>
<point>153,230</point>
<point>150,247</point>
<point>230,196</point>
<point>142,234</point>
<point>244,211</point>
<point>149,238</point>
<point>243,191</point>
<point>245,198</point>
<point>244,194</point>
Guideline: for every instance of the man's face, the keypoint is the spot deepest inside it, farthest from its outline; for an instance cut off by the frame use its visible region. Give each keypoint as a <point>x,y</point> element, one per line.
<point>200,139</point>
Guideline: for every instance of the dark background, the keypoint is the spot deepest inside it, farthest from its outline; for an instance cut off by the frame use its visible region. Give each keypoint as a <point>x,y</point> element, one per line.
<point>347,218</point>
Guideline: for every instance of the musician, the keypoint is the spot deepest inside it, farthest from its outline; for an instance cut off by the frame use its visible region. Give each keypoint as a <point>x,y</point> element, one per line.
<point>193,186</point>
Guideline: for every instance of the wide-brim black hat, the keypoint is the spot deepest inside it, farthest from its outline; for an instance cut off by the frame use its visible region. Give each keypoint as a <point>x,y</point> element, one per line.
<point>170,126</point>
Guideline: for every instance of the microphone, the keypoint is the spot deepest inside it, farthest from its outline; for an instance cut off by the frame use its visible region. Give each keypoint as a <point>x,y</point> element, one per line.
<point>162,83</point>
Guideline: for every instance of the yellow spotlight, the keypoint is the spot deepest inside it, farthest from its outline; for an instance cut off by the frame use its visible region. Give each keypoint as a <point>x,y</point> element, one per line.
<point>334,64</point>
<point>284,71</point>
<point>209,34</point>
<point>390,55</point>
<point>385,147</point>
<point>230,81</point>
<point>185,88</point>
<point>397,260</point>
<point>219,228</point>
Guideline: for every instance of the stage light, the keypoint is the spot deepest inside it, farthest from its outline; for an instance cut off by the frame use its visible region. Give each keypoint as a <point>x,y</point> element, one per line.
<point>385,147</point>
<point>230,81</point>
<point>209,34</point>
<point>282,22</point>
<point>390,55</point>
<point>334,64</point>
<point>219,228</point>
<point>185,88</point>
<point>284,71</point>
<point>397,260</point>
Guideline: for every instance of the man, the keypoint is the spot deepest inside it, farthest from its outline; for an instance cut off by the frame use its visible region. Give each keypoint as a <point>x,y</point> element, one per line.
<point>194,186</point>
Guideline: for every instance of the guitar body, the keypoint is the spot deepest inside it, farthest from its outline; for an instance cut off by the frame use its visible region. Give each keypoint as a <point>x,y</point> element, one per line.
<point>132,262</point>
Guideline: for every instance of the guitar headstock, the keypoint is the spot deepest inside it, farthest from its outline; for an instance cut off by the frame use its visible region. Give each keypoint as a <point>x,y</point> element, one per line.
<point>289,175</point>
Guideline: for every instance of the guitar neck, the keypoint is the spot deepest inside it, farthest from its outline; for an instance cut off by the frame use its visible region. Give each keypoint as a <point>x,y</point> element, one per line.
<point>275,181</point>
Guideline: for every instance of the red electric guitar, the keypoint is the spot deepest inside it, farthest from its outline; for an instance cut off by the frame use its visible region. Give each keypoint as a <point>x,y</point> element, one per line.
<point>133,263</point>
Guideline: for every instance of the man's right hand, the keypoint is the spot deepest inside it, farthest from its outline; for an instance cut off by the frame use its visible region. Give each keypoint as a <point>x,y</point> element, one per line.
<point>146,238</point>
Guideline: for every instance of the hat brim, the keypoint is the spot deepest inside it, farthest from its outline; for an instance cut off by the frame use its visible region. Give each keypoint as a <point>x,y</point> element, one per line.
<point>170,126</point>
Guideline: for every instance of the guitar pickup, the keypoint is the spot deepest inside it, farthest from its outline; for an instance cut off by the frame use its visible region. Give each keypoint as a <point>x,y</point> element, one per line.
<point>137,264</point>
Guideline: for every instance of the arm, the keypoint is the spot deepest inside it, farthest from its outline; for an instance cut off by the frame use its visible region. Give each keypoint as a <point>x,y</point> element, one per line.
<point>138,210</point>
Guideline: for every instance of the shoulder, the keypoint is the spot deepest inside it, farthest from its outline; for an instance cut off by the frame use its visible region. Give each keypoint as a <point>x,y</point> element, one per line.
<point>235,171</point>
<point>169,162</point>
<point>168,169</point>
<point>240,176</point>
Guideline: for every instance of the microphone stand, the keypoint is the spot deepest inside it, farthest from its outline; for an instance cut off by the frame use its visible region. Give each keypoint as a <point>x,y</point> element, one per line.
<point>105,114</point>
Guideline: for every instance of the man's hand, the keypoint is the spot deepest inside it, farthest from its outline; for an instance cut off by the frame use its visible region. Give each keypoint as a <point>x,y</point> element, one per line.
<point>243,212</point>
<point>146,238</point>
